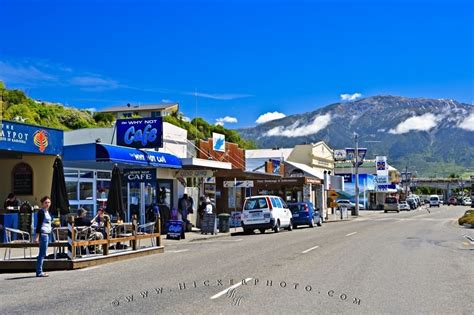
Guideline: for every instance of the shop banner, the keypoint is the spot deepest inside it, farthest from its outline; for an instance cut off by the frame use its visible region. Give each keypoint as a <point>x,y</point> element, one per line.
<point>381,165</point>
<point>347,177</point>
<point>139,175</point>
<point>340,155</point>
<point>195,173</point>
<point>218,142</point>
<point>140,133</point>
<point>238,183</point>
<point>30,139</point>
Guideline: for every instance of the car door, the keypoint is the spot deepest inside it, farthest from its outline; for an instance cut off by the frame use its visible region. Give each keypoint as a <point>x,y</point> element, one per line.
<point>286,211</point>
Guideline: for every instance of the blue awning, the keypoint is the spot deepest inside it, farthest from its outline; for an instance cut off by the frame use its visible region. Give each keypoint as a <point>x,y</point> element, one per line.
<point>116,154</point>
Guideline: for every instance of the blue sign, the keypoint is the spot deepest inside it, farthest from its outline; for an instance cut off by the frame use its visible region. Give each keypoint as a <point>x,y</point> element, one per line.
<point>347,177</point>
<point>174,229</point>
<point>20,137</point>
<point>140,175</point>
<point>276,166</point>
<point>140,133</point>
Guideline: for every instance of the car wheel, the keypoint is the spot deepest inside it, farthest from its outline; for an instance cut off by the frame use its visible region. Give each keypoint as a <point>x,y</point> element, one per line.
<point>311,223</point>
<point>295,226</point>
<point>290,227</point>
<point>398,211</point>
<point>276,228</point>
<point>320,222</point>
<point>262,231</point>
<point>385,211</point>
<point>248,231</point>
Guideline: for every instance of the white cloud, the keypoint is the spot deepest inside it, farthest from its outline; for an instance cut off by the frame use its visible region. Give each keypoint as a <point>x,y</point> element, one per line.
<point>467,123</point>
<point>350,97</point>
<point>94,83</point>
<point>269,117</point>
<point>295,130</point>
<point>227,119</point>
<point>25,74</point>
<point>91,109</point>
<point>186,119</point>
<point>424,122</point>
<point>222,97</point>
<point>166,101</point>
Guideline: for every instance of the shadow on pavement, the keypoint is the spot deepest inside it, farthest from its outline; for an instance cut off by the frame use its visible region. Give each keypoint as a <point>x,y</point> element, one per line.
<point>21,278</point>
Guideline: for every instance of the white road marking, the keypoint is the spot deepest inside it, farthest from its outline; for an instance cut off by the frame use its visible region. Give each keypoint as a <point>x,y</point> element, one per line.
<point>470,239</point>
<point>218,295</point>
<point>176,251</point>
<point>351,233</point>
<point>309,249</point>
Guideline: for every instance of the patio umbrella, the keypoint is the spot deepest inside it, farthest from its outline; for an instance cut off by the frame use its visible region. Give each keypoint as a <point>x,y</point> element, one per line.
<point>114,199</point>
<point>59,198</point>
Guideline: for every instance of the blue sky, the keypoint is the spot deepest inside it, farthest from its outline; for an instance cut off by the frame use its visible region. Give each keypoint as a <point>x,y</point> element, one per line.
<point>244,58</point>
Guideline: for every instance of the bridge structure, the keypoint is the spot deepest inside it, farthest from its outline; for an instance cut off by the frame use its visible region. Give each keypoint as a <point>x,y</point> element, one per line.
<point>445,185</point>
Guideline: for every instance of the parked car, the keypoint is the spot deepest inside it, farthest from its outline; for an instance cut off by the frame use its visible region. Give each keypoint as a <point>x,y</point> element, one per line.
<point>452,201</point>
<point>434,201</point>
<point>467,201</point>
<point>412,202</point>
<point>404,206</point>
<point>391,204</point>
<point>304,214</point>
<point>266,212</point>
<point>345,202</point>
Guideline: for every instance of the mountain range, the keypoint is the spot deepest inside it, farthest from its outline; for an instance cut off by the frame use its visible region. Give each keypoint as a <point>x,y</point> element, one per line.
<point>431,137</point>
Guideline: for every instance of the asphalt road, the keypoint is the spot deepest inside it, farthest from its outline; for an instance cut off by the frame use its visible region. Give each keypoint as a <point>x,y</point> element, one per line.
<point>411,263</point>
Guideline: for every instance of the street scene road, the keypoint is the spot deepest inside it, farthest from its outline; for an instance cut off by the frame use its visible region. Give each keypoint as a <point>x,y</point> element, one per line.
<point>411,262</point>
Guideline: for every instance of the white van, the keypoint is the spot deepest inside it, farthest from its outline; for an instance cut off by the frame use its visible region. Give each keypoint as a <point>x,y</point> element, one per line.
<point>266,212</point>
<point>434,201</point>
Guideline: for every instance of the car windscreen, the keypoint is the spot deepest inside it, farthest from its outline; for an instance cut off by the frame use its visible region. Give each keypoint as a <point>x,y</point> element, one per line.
<point>256,203</point>
<point>434,198</point>
<point>391,200</point>
<point>296,208</point>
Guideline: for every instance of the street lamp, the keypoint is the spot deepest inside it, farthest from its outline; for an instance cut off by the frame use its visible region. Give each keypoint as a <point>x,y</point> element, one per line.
<point>357,160</point>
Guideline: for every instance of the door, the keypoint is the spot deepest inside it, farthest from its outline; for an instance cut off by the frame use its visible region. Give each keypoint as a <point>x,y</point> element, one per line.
<point>149,198</point>
<point>134,193</point>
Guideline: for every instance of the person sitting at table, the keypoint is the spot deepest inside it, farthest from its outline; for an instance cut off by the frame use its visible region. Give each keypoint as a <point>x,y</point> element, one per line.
<point>98,220</point>
<point>81,219</point>
<point>11,201</point>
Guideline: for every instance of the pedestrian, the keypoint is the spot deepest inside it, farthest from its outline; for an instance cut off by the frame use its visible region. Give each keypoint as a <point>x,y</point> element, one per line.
<point>183,206</point>
<point>209,207</point>
<point>202,207</point>
<point>43,229</point>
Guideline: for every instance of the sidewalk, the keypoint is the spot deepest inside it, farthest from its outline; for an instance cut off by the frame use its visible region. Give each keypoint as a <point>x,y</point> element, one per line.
<point>196,235</point>
<point>349,217</point>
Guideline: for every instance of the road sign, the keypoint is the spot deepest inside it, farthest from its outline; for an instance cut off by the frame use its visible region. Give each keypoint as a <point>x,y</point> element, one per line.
<point>333,195</point>
<point>333,204</point>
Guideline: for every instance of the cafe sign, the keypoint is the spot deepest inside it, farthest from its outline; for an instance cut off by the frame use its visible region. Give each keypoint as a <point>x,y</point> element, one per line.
<point>140,133</point>
<point>139,175</point>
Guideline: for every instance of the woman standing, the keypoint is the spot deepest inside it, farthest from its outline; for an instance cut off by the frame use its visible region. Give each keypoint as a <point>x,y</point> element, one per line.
<point>43,229</point>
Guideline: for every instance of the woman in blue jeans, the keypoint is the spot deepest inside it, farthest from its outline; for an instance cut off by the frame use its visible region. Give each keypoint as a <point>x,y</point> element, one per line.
<point>43,229</point>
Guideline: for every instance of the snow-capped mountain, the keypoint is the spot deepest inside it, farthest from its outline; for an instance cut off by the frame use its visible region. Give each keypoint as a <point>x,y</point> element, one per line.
<point>431,136</point>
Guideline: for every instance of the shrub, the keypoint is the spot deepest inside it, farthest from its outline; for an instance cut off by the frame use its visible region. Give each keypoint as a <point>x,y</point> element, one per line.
<point>466,219</point>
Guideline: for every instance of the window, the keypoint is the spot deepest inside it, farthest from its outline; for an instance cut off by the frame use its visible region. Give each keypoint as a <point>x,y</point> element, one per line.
<point>22,179</point>
<point>256,203</point>
<point>127,115</point>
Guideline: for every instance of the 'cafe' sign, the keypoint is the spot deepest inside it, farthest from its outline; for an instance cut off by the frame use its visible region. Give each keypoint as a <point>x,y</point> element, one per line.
<point>139,175</point>
<point>140,133</point>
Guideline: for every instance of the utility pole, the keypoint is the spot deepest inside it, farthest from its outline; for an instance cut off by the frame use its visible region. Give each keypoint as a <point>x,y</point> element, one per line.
<point>356,208</point>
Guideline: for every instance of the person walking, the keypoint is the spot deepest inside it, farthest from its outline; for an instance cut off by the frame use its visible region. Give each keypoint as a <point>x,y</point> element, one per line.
<point>43,229</point>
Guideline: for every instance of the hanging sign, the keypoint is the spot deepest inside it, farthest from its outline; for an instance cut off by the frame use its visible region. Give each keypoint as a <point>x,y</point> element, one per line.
<point>140,133</point>
<point>139,175</point>
<point>195,173</point>
<point>218,142</point>
<point>340,155</point>
<point>238,183</point>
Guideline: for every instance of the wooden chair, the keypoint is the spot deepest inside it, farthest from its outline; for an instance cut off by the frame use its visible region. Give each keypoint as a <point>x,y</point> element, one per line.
<point>59,234</point>
<point>147,228</point>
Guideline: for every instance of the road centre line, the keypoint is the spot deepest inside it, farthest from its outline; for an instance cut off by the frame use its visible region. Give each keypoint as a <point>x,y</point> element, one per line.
<point>351,233</point>
<point>177,251</point>
<point>218,295</point>
<point>309,249</point>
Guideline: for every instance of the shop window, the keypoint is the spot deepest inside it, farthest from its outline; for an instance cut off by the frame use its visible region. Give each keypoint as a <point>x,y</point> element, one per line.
<point>86,174</point>
<point>70,173</point>
<point>86,191</point>
<point>22,179</point>
<point>71,188</point>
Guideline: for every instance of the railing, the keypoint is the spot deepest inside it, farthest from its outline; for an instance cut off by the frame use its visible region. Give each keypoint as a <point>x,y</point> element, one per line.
<point>110,238</point>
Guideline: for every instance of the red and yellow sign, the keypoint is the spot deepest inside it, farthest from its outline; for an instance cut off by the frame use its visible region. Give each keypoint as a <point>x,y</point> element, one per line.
<point>40,139</point>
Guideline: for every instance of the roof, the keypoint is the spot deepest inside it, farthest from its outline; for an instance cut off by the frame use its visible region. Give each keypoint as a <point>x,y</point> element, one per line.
<point>135,107</point>
<point>268,153</point>
<point>307,169</point>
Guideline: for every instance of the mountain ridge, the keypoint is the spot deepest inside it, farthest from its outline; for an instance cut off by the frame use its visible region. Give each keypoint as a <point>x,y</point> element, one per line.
<point>411,131</point>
